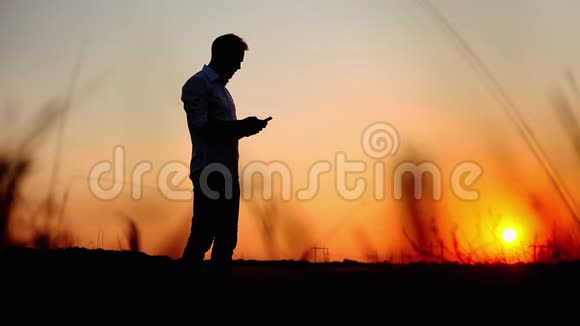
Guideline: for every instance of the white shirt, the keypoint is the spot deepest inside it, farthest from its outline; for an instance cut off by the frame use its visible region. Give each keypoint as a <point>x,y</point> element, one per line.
<point>205,97</point>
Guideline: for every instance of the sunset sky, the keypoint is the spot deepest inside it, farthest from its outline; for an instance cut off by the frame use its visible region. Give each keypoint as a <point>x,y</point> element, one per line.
<point>324,70</point>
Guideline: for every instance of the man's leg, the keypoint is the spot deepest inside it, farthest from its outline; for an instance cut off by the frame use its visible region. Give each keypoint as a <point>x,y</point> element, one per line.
<point>226,231</point>
<point>201,234</point>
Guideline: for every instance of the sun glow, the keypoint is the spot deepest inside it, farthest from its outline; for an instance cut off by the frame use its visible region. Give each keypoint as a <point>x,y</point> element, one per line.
<point>509,235</point>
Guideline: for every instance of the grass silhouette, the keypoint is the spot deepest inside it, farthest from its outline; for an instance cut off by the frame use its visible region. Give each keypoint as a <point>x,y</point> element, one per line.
<point>46,219</point>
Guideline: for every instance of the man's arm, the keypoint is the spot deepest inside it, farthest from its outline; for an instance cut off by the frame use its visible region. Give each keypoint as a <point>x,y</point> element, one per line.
<point>220,129</point>
<point>195,98</point>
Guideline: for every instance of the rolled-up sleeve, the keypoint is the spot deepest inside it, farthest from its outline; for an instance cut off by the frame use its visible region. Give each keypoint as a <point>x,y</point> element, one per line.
<point>194,95</point>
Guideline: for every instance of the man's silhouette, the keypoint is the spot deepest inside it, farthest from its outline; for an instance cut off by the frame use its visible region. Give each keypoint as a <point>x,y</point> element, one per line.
<point>215,131</point>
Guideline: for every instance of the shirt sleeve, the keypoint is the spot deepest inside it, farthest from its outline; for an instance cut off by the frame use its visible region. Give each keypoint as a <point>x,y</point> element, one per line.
<point>194,96</point>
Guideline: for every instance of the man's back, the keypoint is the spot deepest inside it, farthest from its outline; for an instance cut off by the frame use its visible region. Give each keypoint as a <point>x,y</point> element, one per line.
<point>205,98</point>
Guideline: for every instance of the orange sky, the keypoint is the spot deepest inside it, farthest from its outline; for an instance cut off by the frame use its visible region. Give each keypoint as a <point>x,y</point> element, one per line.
<point>324,70</point>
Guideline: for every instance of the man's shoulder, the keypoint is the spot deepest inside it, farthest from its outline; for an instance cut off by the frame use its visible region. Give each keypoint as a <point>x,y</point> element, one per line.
<point>197,80</point>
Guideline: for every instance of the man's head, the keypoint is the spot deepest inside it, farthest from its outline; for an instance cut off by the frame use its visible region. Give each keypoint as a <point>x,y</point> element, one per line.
<point>227,54</point>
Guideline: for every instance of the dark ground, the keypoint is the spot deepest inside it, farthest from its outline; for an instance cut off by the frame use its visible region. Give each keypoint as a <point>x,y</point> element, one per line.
<point>110,279</point>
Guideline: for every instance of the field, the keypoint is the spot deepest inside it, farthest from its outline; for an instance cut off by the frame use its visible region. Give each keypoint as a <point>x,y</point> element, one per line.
<point>107,277</point>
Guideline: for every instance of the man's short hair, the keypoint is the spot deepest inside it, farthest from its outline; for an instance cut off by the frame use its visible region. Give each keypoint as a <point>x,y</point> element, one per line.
<point>228,44</point>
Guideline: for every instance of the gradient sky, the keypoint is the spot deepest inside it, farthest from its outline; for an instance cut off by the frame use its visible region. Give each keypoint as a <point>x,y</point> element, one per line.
<point>324,70</point>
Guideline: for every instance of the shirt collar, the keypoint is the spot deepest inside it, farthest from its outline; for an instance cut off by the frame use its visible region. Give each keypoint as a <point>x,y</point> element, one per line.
<point>211,74</point>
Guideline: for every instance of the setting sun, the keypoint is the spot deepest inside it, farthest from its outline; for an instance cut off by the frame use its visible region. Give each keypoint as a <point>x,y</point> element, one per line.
<point>509,235</point>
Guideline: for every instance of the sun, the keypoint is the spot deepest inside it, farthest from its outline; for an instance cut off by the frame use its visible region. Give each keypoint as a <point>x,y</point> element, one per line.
<point>509,235</point>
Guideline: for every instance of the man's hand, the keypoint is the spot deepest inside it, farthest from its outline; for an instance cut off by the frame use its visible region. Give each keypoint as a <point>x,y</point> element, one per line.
<point>252,126</point>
